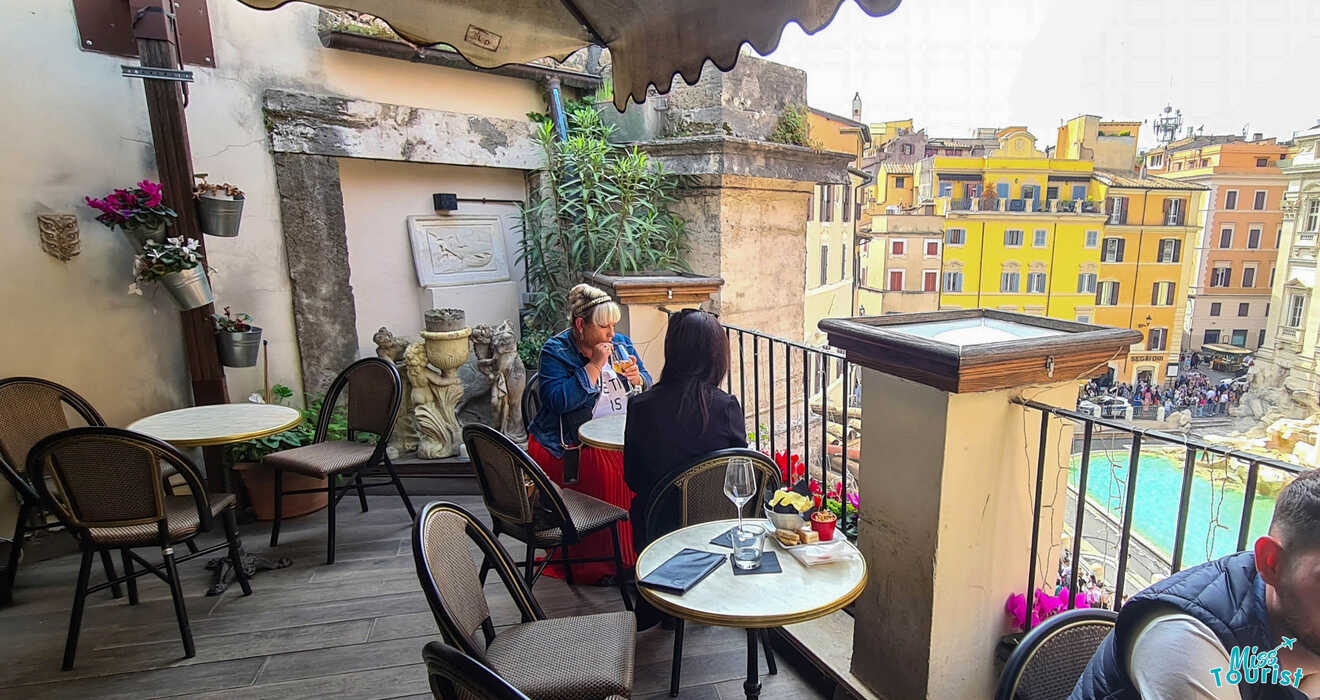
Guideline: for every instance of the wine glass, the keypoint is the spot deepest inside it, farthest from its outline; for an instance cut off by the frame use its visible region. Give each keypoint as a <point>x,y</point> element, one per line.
<point>739,483</point>
<point>621,361</point>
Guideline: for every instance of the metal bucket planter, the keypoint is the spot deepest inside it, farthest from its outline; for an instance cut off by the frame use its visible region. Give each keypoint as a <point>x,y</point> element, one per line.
<point>238,349</point>
<point>190,288</point>
<point>219,217</point>
<point>139,235</point>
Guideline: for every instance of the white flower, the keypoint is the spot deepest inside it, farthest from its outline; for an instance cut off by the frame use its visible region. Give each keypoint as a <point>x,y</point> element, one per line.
<point>135,289</point>
<point>255,398</point>
<point>192,244</point>
<point>177,240</point>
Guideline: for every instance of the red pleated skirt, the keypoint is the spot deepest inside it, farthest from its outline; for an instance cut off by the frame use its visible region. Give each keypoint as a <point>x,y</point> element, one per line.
<point>600,474</point>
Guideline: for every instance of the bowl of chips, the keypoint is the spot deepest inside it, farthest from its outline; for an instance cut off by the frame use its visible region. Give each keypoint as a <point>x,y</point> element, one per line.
<point>790,508</point>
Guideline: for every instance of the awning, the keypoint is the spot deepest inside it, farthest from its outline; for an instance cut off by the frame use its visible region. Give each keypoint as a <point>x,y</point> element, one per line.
<point>649,40</point>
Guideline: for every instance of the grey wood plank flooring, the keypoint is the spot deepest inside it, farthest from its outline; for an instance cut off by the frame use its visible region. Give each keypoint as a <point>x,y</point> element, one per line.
<point>351,630</point>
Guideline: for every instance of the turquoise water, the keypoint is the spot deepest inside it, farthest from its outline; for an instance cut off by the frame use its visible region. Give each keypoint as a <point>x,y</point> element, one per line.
<point>1155,515</point>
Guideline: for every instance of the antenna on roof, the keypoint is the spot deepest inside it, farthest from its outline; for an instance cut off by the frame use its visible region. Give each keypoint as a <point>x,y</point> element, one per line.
<point>1167,125</point>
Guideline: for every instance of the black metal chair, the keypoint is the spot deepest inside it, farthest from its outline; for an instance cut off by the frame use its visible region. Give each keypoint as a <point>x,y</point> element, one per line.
<point>1048,661</point>
<point>696,491</point>
<point>456,676</point>
<point>374,394</point>
<point>526,505</point>
<point>531,401</point>
<point>105,486</point>
<point>587,656</point>
<point>31,409</point>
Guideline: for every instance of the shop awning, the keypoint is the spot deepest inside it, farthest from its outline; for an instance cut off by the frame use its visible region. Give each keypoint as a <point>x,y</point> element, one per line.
<point>650,41</point>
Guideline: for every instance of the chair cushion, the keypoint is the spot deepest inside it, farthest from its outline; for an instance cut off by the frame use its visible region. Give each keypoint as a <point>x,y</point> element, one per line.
<point>322,458</point>
<point>568,658</point>
<point>587,513</point>
<point>180,512</point>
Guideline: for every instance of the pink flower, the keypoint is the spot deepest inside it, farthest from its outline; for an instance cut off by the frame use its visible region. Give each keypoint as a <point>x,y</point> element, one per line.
<point>814,487</point>
<point>854,500</point>
<point>1016,607</point>
<point>153,191</point>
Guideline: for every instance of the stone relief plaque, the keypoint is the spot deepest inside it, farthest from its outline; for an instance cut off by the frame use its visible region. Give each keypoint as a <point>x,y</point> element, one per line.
<point>458,249</point>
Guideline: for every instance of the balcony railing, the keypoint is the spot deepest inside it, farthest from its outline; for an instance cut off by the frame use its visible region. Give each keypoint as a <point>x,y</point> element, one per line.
<point>1151,561</point>
<point>960,204</point>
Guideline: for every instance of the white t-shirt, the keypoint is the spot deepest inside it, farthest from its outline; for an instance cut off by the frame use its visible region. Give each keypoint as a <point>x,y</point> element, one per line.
<point>613,394</point>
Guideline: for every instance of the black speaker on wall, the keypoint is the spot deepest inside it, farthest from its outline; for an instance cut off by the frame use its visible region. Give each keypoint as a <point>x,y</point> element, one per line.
<point>444,201</point>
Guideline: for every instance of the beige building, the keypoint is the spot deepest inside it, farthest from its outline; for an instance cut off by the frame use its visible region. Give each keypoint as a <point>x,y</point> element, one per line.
<point>911,247</point>
<point>832,224</point>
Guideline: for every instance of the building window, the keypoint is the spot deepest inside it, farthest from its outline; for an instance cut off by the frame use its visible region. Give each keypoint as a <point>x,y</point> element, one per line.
<point>1211,336</point>
<point>1230,199</point>
<point>1174,209</point>
<point>1157,339</point>
<point>1078,192</point>
<point>1083,318</point>
<point>811,206</point>
<point>1117,209</point>
<point>897,246</point>
<point>1278,236</point>
<point>1092,239</point>
<point>907,149</point>
<point>896,280</point>
<point>1259,201</point>
<point>1271,281</point>
<point>1253,237</point>
<point>953,281</point>
<point>1244,309</point>
<point>1013,238</point>
<point>1010,282</point>
<point>955,236</point>
<point>1260,342</point>
<point>824,262</point>
<point>1086,283</point>
<point>846,206</point>
<point>1296,304</point>
<point>1035,282</point>
<point>932,248</point>
<point>900,182</point>
<point>857,211</point>
<point>1113,250</point>
<point>1313,211</point>
<point>1221,276</point>
<point>1239,338</point>
<point>1038,240</point>
<point>1161,294</point>
<point>945,189</point>
<point>1215,307</point>
<point>930,280</point>
<point>844,268</point>
<point>1226,237</point>
<point>1262,162</point>
<point>1248,277</point>
<point>1107,294</point>
<point>1170,250</point>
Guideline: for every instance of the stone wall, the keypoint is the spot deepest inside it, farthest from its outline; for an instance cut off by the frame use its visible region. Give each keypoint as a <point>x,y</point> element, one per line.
<point>745,102</point>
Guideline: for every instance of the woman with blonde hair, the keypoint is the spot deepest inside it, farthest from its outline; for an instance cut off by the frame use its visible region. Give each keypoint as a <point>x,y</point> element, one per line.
<point>577,383</point>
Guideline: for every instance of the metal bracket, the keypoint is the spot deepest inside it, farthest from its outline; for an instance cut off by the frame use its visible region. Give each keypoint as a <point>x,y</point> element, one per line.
<point>182,76</point>
<point>1049,366</point>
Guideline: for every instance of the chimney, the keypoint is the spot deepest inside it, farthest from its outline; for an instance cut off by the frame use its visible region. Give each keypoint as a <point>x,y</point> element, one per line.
<point>857,106</point>
<point>1257,136</point>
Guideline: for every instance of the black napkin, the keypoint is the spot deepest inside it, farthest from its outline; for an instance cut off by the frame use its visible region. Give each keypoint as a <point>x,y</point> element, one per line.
<point>683,571</point>
<point>725,539</point>
<point>769,565</point>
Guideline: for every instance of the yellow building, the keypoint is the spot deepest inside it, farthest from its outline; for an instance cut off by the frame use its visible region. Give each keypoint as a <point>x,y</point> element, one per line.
<point>832,224</point>
<point>1109,145</point>
<point>884,132</point>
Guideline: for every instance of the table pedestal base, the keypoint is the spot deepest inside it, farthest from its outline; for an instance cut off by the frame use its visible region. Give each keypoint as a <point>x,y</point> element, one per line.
<point>225,574</point>
<point>752,686</point>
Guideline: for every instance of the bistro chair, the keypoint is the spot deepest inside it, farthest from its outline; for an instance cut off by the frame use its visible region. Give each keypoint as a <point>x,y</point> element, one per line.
<point>588,656</point>
<point>526,505</point>
<point>696,491</point>
<point>531,401</point>
<point>31,409</point>
<point>455,676</point>
<point>374,393</point>
<point>105,486</point>
<point>1048,661</point>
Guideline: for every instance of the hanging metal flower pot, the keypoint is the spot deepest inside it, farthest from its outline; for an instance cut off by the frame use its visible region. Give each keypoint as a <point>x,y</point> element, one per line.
<point>219,216</point>
<point>239,349</point>
<point>138,235</point>
<point>190,288</point>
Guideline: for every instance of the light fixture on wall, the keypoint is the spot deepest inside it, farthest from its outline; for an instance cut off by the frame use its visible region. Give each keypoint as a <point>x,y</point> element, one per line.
<point>445,201</point>
<point>1147,323</point>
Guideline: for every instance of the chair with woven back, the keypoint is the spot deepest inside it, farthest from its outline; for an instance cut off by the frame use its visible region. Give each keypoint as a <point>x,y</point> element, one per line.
<point>375,391</point>
<point>104,485</point>
<point>456,676</point>
<point>531,401</point>
<point>589,656</point>
<point>30,409</point>
<point>1052,656</point>
<point>526,505</point>
<point>695,492</point>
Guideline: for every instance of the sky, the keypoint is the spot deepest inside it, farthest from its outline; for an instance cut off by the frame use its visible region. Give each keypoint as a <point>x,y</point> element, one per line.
<point>957,64</point>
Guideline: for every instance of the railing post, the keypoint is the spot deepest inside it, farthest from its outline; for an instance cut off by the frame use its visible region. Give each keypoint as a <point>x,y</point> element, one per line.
<point>1184,500</point>
<point>1248,500</point>
<point>1079,518</point>
<point>1035,515</point>
<point>756,386</point>
<point>1129,503</point>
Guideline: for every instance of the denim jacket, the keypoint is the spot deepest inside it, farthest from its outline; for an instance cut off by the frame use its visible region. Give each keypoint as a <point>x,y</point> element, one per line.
<point>567,393</point>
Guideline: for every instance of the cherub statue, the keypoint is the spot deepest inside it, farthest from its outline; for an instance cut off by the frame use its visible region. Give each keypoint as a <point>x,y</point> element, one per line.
<point>510,381</point>
<point>482,336</point>
<point>389,346</point>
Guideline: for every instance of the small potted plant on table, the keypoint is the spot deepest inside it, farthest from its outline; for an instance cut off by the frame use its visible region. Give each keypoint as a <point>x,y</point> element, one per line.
<point>236,339</point>
<point>219,207</point>
<point>177,265</point>
<point>139,212</point>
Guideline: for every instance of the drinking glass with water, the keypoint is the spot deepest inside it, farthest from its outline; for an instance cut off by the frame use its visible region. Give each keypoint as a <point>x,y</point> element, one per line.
<point>748,543</point>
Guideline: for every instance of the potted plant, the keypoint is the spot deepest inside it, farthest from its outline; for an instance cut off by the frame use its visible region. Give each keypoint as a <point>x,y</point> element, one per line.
<point>177,265</point>
<point>139,212</point>
<point>260,482</point>
<point>219,207</point>
<point>236,339</point>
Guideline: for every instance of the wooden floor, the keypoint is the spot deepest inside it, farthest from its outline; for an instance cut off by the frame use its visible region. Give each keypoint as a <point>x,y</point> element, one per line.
<point>354,629</point>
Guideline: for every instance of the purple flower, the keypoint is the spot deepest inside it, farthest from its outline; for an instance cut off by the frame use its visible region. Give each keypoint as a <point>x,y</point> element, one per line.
<point>153,191</point>
<point>854,500</point>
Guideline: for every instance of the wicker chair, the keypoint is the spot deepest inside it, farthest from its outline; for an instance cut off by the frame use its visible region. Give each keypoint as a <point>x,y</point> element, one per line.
<point>1048,661</point>
<point>698,488</point>
<point>374,394</point>
<point>531,401</point>
<point>31,409</point>
<point>455,676</point>
<point>588,657</point>
<point>526,505</point>
<point>105,486</point>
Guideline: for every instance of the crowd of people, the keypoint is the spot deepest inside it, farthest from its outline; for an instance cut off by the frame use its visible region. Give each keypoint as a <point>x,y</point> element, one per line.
<point>1192,391</point>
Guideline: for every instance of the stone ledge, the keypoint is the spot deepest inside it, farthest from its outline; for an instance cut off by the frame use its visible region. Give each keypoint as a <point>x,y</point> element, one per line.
<point>657,289</point>
<point>729,155</point>
<point>827,643</point>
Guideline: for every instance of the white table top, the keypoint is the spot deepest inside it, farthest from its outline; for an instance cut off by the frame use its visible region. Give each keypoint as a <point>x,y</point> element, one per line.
<point>605,432</point>
<point>220,424</point>
<point>798,594</point>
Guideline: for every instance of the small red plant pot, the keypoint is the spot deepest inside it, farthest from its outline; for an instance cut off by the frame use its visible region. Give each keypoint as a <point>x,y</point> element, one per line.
<point>823,523</point>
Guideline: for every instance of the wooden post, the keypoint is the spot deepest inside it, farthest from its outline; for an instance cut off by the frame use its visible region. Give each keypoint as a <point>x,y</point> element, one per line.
<point>157,48</point>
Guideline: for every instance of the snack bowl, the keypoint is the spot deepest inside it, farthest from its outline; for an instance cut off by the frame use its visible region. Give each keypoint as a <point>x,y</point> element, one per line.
<point>785,521</point>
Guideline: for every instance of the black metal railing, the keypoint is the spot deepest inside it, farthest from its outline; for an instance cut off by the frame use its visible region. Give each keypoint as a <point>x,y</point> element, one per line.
<point>1115,431</point>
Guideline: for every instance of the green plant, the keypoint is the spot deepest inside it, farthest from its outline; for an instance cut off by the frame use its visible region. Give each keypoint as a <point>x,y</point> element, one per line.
<point>160,259</point>
<point>794,128</point>
<point>236,323</point>
<point>141,206</point>
<point>529,348</point>
<point>256,450</point>
<point>223,191</point>
<point>604,208</point>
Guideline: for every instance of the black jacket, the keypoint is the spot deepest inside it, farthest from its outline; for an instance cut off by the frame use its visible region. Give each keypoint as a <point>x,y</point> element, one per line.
<point>659,439</point>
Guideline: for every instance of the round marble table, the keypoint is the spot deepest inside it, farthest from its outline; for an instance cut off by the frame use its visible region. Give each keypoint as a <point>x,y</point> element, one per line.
<point>605,433</point>
<point>753,601</point>
<point>220,424</point>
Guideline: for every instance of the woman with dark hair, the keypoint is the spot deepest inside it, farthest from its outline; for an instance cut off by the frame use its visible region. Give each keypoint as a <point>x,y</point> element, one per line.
<point>683,417</point>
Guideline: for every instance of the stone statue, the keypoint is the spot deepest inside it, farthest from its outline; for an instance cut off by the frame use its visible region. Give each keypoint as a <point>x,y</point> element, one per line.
<point>436,394</point>
<point>391,348</point>
<point>482,337</point>
<point>509,382</point>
